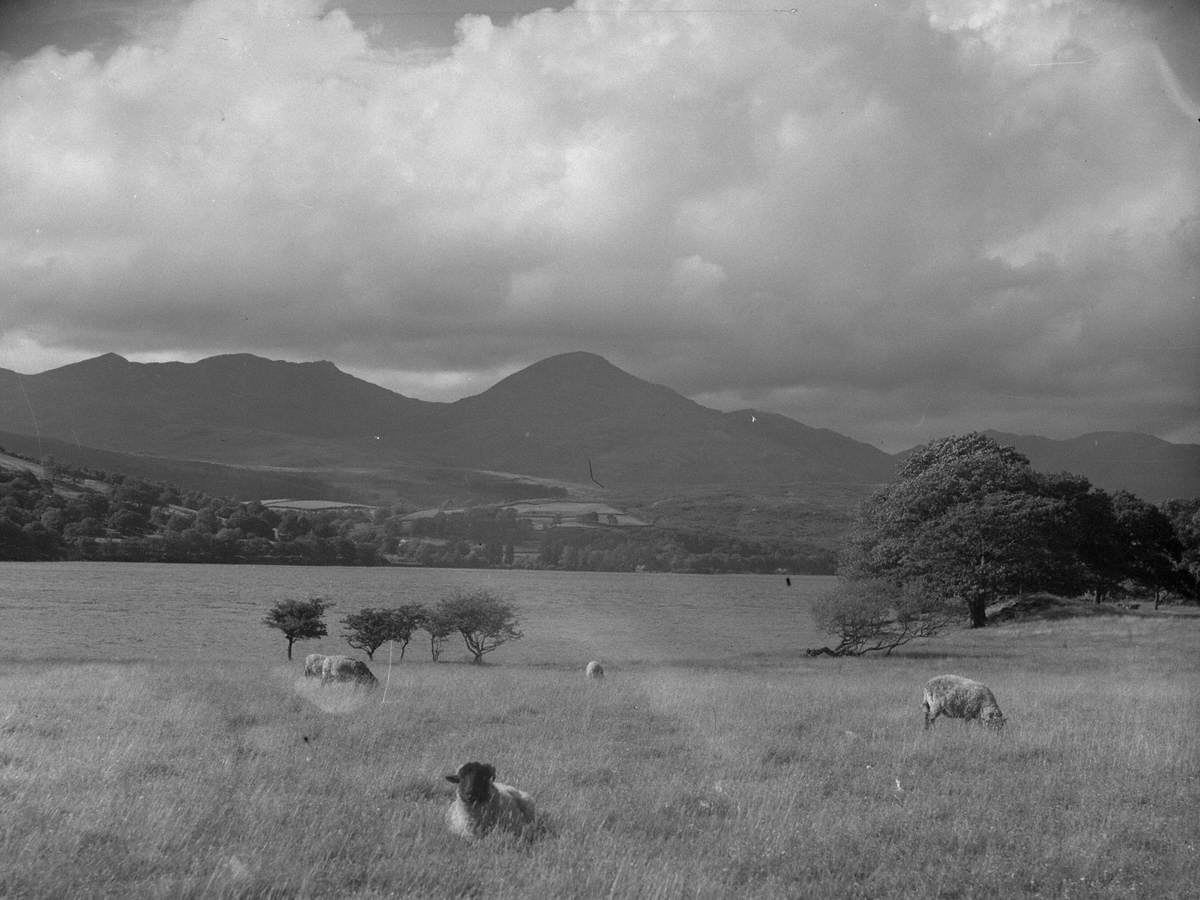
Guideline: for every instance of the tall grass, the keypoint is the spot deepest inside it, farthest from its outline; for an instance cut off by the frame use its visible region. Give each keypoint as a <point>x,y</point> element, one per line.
<point>807,779</point>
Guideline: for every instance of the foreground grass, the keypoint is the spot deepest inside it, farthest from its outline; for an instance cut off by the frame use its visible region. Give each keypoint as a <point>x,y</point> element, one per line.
<point>812,779</point>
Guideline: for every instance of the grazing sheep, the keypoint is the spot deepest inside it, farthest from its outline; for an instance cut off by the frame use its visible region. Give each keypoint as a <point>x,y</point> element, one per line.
<point>594,670</point>
<point>313,664</point>
<point>346,668</point>
<point>961,698</point>
<point>481,804</point>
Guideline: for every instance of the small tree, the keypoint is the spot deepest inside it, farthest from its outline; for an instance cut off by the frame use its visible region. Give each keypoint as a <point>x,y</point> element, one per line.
<point>439,627</point>
<point>368,630</point>
<point>299,620</point>
<point>484,620</point>
<point>873,615</point>
<point>404,621</point>
<point>371,628</point>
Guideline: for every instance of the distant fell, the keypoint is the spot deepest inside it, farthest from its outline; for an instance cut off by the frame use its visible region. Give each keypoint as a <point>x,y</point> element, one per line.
<point>576,416</point>
<point>571,419</point>
<point>1142,464</point>
<point>235,408</point>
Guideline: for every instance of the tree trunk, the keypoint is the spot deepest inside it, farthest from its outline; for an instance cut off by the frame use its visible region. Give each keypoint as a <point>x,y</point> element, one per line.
<point>977,607</point>
<point>290,642</point>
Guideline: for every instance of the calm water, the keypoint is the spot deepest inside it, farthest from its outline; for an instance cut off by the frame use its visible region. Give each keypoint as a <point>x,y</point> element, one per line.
<point>124,611</point>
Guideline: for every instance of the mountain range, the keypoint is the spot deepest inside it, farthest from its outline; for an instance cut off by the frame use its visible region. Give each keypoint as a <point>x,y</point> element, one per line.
<point>575,421</point>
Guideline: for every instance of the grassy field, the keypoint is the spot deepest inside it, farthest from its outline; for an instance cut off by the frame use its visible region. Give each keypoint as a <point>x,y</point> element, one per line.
<point>804,778</point>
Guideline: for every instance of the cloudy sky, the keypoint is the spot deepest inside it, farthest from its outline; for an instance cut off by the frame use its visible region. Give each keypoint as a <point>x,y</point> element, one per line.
<point>894,219</point>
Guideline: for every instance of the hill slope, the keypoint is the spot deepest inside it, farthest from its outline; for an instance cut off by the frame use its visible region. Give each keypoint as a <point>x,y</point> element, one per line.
<point>237,408</point>
<point>549,420</point>
<point>577,416</point>
<point>1142,464</point>
<point>572,418</point>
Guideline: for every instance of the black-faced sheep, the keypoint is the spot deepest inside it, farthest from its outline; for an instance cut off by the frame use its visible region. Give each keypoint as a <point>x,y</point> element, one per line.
<point>594,670</point>
<point>313,664</point>
<point>961,698</point>
<point>481,804</point>
<point>346,668</point>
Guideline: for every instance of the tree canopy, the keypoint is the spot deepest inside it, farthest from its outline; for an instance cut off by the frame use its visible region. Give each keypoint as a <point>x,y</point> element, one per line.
<point>872,615</point>
<point>966,518</point>
<point>369,629</point>
<point>970,521</point>
<point>484,620</point>
<point>299,619</point>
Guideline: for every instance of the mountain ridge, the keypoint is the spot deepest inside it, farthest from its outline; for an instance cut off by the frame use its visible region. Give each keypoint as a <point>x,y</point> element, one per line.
<point>574,417</point>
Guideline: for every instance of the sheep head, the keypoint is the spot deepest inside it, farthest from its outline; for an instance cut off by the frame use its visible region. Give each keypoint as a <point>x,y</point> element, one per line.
<point>474,781</point>
<point>993,718</point>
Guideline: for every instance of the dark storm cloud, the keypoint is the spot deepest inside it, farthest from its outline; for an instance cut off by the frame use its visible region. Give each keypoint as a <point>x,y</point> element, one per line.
<point>891,219</point>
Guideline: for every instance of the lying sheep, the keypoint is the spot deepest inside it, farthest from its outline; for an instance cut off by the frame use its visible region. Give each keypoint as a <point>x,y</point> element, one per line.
<point>961,698</point>
<point>313,664</point>
<point>594,670</point>
<point>346,668</point>
<point>481,804</point>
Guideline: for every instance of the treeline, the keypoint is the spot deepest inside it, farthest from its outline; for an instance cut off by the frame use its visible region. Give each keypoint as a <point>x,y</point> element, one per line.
<point>968,523</point>
<point>666,550</point>
<point>84,514</point>
<point>483,619</point>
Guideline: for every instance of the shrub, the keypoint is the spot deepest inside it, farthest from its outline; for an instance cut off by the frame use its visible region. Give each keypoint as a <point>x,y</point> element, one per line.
<point>870,615</point>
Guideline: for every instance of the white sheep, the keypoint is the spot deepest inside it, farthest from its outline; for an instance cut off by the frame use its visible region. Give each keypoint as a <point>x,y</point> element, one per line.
<point>594,670</point>
<point>961,698</point>
<point>481,804</point>
<point>346,668</point>
<point>313,664</point>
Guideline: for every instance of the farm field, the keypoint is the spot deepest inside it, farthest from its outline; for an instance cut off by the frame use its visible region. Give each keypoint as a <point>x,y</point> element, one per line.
<point>716,776</point>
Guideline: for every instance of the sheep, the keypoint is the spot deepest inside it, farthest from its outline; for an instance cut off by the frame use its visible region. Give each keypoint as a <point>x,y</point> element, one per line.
<point>346,668</point>
<point>313,664</point>
<point>961,698</point>
<point>481,804</point>
<point>594,670</point>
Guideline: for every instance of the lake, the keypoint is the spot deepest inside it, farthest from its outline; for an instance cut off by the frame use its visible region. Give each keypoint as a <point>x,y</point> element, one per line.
<point>179,612</point>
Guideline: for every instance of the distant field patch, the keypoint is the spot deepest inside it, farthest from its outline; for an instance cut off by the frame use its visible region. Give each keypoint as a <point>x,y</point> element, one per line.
<point>315,505</point>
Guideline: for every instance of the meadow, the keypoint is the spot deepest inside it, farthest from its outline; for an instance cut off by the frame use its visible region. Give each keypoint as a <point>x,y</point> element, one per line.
<point>761,776</point>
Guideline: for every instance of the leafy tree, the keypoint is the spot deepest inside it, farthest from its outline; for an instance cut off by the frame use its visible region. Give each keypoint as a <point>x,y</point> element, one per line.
<point>1154,550</point>
<point>1101,554</point>
<point>871,615</point>
<point>484,620</point>
<point>1185,517</point>
<point>439,627</point>
<point>371,628</point>
<point>969,520</point>
<point>299,620</point>
<point>405,620</point>
<point>368,630</point>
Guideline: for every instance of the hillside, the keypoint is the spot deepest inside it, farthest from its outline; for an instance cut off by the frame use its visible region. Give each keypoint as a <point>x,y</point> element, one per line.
<point>50,510</point>
<point>211,478</point>
<point>559,415</point>
<point>238,409</point>
<point>252,427</point>
<point>1142,464</point>
<point>547,421</point>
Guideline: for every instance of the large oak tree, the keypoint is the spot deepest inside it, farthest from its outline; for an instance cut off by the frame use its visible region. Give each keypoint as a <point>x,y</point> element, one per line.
<point>970,521</point>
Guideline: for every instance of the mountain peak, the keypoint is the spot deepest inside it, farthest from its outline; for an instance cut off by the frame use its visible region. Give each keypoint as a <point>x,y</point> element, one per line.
<point>574,377</point>
<point>574,362</point>
<point>105,362</point>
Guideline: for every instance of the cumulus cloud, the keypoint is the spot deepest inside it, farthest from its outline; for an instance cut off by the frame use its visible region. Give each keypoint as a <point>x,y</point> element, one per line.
<point>894,219</point>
